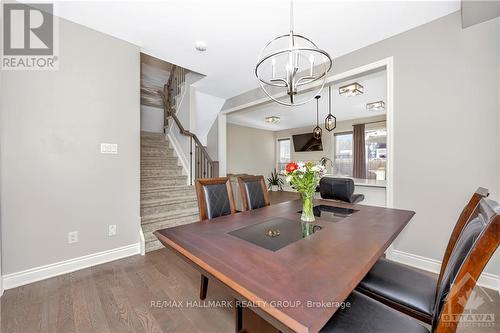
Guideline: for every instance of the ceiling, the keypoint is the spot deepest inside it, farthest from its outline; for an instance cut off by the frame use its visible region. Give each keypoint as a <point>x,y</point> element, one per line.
<point>344,108</point>
<point>235,30</point>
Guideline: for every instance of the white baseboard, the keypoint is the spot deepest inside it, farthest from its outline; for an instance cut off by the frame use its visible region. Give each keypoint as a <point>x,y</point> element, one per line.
<point>142,242</point>
<point>487,280</point>
<point>44,272</point>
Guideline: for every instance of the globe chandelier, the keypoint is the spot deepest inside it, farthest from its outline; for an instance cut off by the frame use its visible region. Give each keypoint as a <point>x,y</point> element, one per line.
<point>287,64</point>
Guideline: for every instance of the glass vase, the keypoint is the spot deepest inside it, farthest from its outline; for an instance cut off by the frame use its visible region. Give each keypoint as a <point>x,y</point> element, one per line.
<point>307,228</point>
<point>307,207</point>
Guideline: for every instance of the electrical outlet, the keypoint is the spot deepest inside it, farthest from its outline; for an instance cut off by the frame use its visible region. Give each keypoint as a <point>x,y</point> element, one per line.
<point>72,237</point>
<point>112,230</point>
<point>109,148</point>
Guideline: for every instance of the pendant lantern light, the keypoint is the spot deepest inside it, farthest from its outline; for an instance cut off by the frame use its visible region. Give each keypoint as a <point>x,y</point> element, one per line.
<point>317,130</point>
<point>330,120</point>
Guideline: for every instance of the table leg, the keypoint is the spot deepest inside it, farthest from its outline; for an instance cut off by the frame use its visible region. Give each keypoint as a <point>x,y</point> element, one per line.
<point>253,323</point>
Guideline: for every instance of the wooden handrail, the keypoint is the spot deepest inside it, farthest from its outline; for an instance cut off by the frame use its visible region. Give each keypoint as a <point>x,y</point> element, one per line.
<point>184,131</point>
<point>205,167</point>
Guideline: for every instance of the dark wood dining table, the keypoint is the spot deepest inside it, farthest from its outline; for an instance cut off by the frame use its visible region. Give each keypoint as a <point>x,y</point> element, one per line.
<point>298,287</point>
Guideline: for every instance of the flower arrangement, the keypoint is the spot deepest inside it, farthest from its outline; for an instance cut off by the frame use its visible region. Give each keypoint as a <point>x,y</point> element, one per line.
<point>304,178</point>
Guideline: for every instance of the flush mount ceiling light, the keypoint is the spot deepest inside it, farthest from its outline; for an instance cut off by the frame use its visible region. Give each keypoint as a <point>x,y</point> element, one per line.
<point>273,119</point>
<point>376,106</point>
<point>352,89</point>
<point>330,120</point>
<point>317,130</point>
<point>287,64</point>
<point>200,46</point>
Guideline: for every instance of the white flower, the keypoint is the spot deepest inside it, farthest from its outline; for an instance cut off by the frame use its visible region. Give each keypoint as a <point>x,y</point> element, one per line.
<point>302,169</point>
<point>288,178</point>
<point>301,176</point>
<point>315,168</point>
<point>301,164</point>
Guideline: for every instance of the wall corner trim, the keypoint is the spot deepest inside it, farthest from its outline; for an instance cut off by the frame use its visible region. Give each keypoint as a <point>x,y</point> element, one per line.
<point>67,266</point>
<point>180,154</point>
<point>487,280</point>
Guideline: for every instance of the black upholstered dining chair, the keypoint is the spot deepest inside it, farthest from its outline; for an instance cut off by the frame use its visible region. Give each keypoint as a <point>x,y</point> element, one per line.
<point>473,249</point>
<point>215,198</point>
<point>407,289</point>
<point>253,192</point>
<point>339,189</point>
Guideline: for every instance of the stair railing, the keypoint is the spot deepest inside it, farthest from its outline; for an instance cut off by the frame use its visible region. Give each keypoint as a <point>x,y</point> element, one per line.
<point>204,166</point>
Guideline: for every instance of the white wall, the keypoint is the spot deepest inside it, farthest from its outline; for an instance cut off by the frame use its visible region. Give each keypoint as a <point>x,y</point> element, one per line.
<point>151,119</point>
<point>446,122</point>
<point>213,141</point>
<point>249,150</point>
<point>185,114</point>
<point>54,179</point>
<point>206,108</point>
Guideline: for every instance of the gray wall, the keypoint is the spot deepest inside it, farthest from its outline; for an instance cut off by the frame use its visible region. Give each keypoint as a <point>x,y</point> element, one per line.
<point>249,150</point>
<point>446,123</point>
<point>54,179</point>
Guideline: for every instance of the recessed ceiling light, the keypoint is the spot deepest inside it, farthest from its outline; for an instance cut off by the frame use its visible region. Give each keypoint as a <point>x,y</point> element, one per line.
<point>201,46</point>
<point>273,119</point>
<point>352,89</point>
<point>376,106</point>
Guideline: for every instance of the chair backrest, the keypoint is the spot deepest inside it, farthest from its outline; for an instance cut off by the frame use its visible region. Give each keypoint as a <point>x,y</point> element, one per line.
<point>253,192</point>
<point>336,188</point>
<point>465,217</point>
<point>475,246</point>
<point>215,197</point>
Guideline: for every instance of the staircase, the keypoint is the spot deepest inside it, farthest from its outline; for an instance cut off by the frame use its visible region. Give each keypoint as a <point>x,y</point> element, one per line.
<point>166,200</point>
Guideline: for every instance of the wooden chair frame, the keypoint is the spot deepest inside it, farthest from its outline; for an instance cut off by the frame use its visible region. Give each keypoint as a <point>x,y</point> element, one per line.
<point>466,215</point>
<point>243,194</point>
<point>469,211</point>
<point>202,205</point>
<point>481,252</point>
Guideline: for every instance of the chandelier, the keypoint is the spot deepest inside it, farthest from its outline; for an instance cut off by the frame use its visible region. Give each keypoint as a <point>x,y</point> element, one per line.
<point>287,64</point>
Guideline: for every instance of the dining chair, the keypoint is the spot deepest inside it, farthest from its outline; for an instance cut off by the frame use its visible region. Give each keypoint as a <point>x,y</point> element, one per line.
<point>339,189</point>
<point>473,249</point>
<point>215,198</point>
<point>407,289</point>
<point>253,192</point>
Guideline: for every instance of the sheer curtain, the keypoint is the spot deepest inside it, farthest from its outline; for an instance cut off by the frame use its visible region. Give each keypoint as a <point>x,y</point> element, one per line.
<point>359,162</point>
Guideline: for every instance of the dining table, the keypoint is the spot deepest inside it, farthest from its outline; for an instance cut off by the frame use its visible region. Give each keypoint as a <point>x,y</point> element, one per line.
<point>284,278</point>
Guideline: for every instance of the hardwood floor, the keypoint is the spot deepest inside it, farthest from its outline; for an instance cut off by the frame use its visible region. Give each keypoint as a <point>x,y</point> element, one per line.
<point>132,295</point>
<point>128,295</point>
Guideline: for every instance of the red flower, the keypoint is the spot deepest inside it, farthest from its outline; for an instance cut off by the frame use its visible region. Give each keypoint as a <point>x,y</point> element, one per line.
<point>291,167</point>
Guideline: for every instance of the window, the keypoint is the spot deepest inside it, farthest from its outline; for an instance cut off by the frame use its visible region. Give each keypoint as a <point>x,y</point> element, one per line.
<point>283,153</point>
<point>342,163</point>
<point>375,150</point>
<point>376,153</point>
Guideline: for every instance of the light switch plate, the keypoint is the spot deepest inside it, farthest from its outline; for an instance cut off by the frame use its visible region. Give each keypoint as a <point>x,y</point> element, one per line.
<point>109,148</point>
<point>72,237</point>
<point>112,230</point>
